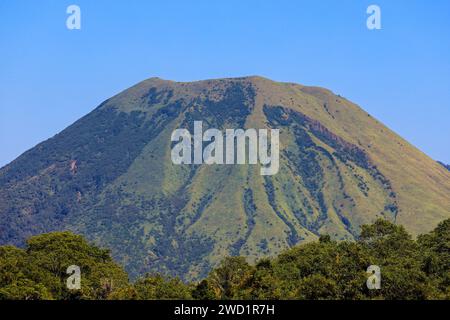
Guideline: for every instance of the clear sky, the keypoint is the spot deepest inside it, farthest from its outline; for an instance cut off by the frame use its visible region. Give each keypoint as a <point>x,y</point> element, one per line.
<point>51,76</point>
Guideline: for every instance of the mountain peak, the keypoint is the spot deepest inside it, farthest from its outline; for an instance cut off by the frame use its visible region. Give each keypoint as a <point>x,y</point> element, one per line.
<point>110,176</point>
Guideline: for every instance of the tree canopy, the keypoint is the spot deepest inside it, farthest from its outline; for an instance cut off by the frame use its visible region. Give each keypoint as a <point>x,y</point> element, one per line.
<point>324,269</point>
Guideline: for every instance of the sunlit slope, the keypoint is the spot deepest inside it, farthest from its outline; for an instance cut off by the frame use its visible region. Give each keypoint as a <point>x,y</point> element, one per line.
<point>110,177</point>
<point>421,186</point>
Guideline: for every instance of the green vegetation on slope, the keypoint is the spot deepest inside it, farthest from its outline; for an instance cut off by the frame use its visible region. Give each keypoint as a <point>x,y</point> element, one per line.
<point>323,269</point>
<point>109,177</point>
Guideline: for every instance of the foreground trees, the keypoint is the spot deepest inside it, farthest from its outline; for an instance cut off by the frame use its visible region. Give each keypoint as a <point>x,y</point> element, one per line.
<point>39,270</point>
<point>410,269</point>
<point>326,269</point>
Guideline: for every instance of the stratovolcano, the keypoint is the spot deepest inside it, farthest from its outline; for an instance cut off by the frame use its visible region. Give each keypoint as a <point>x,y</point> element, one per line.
<point>109,176</point>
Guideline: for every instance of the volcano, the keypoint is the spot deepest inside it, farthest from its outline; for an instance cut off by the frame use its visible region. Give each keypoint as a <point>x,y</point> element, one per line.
<point>109,176</point>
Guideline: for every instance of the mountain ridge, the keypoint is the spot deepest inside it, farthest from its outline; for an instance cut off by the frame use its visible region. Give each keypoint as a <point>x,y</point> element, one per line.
<point>109,176</point>
<point>446,166</point>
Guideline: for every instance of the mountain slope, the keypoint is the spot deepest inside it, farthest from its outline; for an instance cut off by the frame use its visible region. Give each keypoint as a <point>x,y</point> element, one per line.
<point>446,166</point>
<point>109,176</point>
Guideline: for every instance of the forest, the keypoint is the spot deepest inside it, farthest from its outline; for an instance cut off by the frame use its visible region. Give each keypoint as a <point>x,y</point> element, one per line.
<point>411,269</point>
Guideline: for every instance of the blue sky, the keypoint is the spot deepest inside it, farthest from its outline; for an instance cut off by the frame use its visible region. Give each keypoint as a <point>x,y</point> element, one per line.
<point>51,76</point>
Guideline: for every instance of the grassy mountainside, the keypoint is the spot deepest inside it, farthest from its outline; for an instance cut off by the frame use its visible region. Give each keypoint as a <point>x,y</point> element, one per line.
<point>109,176</point>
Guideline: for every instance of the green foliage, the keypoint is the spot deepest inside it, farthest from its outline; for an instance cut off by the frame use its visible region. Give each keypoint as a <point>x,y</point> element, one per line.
<point>158,287</point>
<point>325,269</point>
<point>227,281</point>
<point>39,271</point>
<point>435,248</point>
<point>337,270</point>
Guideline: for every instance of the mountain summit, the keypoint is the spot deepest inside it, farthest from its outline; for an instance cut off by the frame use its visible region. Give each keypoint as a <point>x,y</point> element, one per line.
<point>109,176</point>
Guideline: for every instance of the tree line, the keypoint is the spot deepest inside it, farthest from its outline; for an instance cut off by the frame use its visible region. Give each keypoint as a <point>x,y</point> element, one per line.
<point>324,269</point>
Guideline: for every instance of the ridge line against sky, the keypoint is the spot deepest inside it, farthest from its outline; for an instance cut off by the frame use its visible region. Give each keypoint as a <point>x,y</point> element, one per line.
<point>51,76</point>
